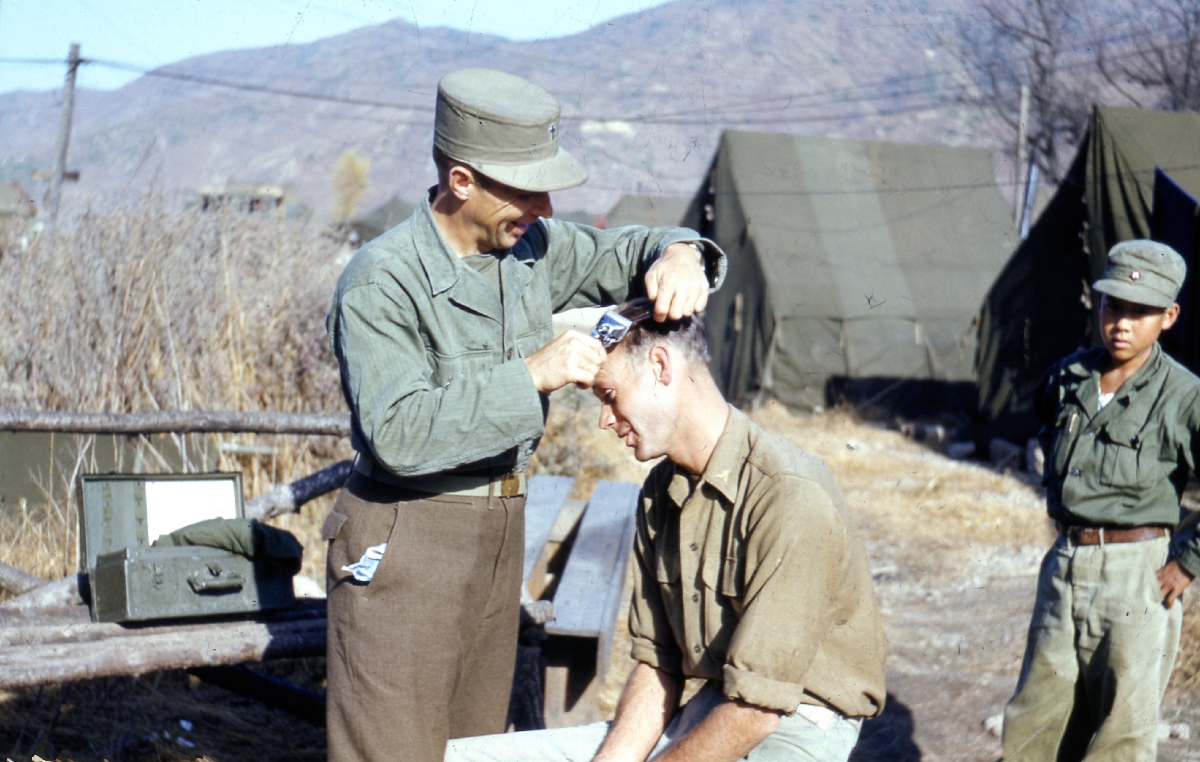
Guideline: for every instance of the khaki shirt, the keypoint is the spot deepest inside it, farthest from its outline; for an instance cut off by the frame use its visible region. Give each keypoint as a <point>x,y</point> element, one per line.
<point>431,355</point>
<point>757,578</point>
<point>1125,465</point>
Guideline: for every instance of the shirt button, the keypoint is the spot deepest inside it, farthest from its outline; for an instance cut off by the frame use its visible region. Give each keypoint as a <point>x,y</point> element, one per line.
<point>694,546</point>
<point>1074,472</point>
<point>695,597</point>
<point>696,649</point>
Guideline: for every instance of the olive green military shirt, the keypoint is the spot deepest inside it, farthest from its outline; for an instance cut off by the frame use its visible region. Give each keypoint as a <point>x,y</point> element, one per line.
<point>757,578</point>
<point>431,353</point>
<point>1125,465</point>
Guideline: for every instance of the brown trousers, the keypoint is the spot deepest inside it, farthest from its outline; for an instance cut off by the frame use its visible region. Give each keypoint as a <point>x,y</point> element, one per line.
<point>425,651</point>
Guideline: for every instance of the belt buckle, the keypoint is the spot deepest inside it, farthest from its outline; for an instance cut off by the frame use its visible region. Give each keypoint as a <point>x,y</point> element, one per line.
<point>510,485</point>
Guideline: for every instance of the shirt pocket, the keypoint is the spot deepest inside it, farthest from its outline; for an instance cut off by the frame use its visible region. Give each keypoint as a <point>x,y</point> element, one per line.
<point>466,364</point>
<point>666,574</point>
<point>722,599</point>
<point>1129,458</point>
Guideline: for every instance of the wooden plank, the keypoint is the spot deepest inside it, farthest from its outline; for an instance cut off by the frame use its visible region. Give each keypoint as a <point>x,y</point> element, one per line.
<point>545,499</point>
<point>176,421</point>
<point>587,599</point>
<point>135,652</point>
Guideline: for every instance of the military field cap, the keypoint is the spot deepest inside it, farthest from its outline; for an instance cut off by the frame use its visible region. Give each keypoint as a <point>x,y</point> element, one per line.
<point>506,128</point>
<point>1143,272</point>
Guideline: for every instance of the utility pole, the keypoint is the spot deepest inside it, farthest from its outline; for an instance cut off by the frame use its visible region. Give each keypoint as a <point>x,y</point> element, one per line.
<point>64,137</point>
<point>1022,156</point>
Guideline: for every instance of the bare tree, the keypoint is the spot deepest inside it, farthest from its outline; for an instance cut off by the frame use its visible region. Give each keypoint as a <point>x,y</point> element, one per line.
<point>1155,61</point>
<point>1004,44</point>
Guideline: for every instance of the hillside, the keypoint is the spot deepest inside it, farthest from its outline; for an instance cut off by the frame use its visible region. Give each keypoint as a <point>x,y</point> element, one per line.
<point>653,89</point>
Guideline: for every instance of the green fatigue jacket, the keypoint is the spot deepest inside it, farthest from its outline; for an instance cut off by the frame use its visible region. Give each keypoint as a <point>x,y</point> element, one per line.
<point>431,355</point>
<point>757,578</point>
<point>1125,465</point>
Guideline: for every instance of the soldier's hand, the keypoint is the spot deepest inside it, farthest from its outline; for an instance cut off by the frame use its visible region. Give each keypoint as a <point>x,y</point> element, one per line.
<point>676,283</point>
<point>1173,579</point>
<point>572,358</point>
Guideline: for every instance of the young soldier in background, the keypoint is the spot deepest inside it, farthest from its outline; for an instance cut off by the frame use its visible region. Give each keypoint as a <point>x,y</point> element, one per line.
<point>1122,431</point>
<point>750,575</point>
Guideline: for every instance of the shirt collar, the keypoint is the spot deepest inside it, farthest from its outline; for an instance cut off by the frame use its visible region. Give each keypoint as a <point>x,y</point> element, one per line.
<point>724,469</point>
<point>441,264</point>
<point>1135,382</point>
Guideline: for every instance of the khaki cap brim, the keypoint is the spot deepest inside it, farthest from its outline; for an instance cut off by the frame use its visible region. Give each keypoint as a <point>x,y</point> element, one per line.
<point>557,172</point>
<point>1132,292</point>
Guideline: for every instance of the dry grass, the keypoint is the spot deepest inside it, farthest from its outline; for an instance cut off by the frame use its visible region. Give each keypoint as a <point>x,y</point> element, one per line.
<point>140,307</point>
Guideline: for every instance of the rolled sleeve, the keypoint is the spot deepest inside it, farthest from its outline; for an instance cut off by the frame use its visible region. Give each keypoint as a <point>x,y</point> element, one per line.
<point>762,691</point>
<point>794,558</point>
<point>592,267</point>
<point>648,652</point>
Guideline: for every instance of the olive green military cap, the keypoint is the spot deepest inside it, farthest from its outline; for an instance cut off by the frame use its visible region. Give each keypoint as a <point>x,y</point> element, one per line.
<point>1143,272</point>
<point>506,128</point>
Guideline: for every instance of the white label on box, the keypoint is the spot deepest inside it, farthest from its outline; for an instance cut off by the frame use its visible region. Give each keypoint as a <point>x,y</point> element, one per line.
<point>172,505</point>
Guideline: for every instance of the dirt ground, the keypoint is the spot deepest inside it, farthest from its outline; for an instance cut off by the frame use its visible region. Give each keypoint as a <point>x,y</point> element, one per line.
<point>954,549</point>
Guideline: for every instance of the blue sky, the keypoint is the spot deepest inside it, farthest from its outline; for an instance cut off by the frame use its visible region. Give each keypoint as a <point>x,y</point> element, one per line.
<point>150,33</point>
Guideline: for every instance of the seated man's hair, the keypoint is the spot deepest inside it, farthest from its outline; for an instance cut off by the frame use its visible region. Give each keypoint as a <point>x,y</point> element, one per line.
<point>686,335</point>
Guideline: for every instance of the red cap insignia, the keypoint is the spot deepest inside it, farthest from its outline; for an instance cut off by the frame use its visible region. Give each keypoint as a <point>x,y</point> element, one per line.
<point>1135,275</point>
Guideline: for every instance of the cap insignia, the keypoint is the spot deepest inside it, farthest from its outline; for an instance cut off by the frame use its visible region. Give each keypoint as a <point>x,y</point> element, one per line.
<point>1135,275</point>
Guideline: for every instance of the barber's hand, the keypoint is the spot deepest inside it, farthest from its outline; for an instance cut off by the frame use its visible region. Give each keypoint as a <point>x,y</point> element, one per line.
<point>572,358</point>
<point>1172,580</point>
<point>677,283</point>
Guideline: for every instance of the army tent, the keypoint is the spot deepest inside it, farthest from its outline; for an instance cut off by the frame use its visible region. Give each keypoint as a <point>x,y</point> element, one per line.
<point>381,219</point>
<point>651,211</point>
<point>1041,307</point>
<point>856,268</point>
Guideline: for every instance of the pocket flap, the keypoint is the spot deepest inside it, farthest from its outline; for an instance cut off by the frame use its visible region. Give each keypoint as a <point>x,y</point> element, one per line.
<point>333,525</point>
<point>1126,433</point>
<point>722,575</point>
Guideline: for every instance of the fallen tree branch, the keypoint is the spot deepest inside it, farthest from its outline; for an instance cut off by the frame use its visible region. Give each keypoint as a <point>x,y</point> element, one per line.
<point>68,591</point>
<point>287,498</point>
<point>175,421</point>
<point>15,581</point>
<point>282,694</point>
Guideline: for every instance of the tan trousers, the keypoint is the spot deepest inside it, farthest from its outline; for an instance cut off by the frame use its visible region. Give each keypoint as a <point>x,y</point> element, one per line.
<point>1100,651</point>
<point>424,652</point>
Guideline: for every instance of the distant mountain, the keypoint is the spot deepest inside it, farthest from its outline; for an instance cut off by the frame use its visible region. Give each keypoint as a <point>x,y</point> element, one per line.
<point>652,92</point>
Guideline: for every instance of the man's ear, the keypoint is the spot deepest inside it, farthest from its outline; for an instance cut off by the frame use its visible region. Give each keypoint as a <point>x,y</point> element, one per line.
<point>461,182</point>
<point>1170,315</point>
<point>660,364</point>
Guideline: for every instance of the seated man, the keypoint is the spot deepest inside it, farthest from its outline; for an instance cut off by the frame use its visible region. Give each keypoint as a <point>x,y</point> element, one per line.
<point>750,575</point>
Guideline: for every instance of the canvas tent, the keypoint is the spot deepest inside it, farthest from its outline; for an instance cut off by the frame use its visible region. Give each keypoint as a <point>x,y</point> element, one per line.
<point>381,219</point>
<point>651,211</point>
<point>1041,306</point>
<point>855,268</point>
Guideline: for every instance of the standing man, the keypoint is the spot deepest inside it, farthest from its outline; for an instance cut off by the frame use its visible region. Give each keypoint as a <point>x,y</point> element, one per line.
<point>750,575</point>
<point>442,330</point>
<point>1121,432</point>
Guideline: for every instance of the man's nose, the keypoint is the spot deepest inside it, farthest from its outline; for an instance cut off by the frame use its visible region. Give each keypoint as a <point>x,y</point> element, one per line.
<point>607,419</point>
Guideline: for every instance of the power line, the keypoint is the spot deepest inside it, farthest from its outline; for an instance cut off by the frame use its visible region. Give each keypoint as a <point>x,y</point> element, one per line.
<point>246,87</point>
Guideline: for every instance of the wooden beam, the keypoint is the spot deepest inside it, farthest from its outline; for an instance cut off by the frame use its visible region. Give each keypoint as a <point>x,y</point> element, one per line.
<point>176,421</point>
<point>40,652</point>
